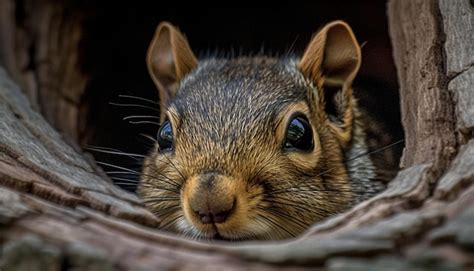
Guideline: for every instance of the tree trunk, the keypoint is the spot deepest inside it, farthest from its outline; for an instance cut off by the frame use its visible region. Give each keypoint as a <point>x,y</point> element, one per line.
<point>58,211</point>
<point>40,49</point>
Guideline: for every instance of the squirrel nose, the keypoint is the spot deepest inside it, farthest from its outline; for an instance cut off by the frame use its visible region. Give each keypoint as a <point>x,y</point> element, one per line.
<point>209,215</point>
<point>210,202</point>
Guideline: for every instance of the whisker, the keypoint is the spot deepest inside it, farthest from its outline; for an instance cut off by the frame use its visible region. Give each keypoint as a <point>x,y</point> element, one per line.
<point>276,225</point>
<point>140,117</point>
<point>318,210</point>
<point>331,169</point>
<point>177,170</point>
<point>164,216</point>
<point>256,175</point>
<point>114,151</point>
<point>135,105</point>
<point>124,179</point>
<point>121,172</point>
<point>364,154</point>
<point>114,166</point>
<point>149,137</point>
<point>171,222</point>
<point>174,186</point>
<point>161,175</point>
<point>160,199</point>
<point>175,190</point>
<point>144,122</point>
<point>295,206</point>
<point>117,151</point>
<point>307,188</point>
<point>164,213</point>
<point>125,184</point>
<point>292,46</point>
<point>168,182</point>
<point>291,219</point>
<point>377,150</point>
<point>138,98</point>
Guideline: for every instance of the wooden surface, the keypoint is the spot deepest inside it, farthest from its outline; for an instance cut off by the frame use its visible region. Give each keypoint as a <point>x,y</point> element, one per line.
<point>57,211</point>
<point>428,118</point>
<point>39,47</point>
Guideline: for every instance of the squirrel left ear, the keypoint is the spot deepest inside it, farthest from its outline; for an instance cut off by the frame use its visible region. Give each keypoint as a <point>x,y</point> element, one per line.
<point>331,61</point>
<point>169,59</point>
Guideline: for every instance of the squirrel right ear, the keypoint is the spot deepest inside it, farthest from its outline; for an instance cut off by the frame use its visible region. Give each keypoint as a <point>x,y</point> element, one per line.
<point>169,59</point>
<point>331,61</point>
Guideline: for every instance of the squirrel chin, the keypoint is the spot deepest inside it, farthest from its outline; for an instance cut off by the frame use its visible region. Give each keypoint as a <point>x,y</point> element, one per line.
<point>214,234</point>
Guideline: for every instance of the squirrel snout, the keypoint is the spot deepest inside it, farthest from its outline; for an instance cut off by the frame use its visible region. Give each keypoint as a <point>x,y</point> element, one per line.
<point>210,212</point>
<point>211,199</point>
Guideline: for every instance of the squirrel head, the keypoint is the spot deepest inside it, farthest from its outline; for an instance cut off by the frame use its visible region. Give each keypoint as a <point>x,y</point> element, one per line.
<point>251,147</point>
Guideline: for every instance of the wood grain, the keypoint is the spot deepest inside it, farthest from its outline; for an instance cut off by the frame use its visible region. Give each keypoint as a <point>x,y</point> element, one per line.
<point>58,211</point>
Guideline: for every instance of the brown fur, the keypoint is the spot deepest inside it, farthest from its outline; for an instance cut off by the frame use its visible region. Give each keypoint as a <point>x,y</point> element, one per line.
<point>229,119</point>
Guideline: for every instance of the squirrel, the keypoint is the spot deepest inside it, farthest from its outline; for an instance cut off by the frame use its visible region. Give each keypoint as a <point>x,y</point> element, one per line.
<point>257,147</point>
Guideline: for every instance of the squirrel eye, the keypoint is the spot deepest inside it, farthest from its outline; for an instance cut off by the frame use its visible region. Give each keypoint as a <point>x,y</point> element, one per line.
<point>165,136</point>
<point>299,135</point>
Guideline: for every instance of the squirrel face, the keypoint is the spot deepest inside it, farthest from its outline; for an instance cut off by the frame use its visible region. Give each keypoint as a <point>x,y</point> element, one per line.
<point>253,147</point>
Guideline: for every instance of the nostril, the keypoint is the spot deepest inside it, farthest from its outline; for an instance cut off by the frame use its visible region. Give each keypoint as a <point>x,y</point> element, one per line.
<point>206,218</point>
<point>222,216</point>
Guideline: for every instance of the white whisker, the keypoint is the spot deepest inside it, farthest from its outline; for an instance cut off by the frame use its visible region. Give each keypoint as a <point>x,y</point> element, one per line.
<point>138,98</point>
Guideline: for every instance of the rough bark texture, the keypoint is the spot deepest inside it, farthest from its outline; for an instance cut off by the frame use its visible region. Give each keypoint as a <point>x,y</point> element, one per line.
<point>40,49</point>
<point>416,31</point>
<point>57,211</point>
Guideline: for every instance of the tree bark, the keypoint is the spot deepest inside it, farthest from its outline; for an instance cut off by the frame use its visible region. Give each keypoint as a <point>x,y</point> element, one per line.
<point>58,211</point>
<point>40,48</point>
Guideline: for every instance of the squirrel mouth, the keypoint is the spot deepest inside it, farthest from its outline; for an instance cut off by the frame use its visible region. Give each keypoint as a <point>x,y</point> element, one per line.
<point>214,234</point>
<point>219,237</point>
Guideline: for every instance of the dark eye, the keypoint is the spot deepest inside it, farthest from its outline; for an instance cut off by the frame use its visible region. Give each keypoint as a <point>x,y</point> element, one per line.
<point>299,135</point>
<point>165,136</point>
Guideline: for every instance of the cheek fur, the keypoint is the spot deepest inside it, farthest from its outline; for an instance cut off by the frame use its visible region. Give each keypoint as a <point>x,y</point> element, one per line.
<point>279,194</point>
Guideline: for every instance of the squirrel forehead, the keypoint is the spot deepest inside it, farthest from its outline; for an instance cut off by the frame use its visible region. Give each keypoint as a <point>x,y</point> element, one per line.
<point>240,88</point>
<point>225,107</point>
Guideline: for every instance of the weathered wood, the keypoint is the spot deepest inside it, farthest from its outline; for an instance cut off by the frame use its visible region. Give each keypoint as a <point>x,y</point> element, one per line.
<point>460,174</point>
<point>36,156</point>
<point>427,107</point>
<point>57,210</point>
<point>40,48</point>
<point>462,88</point>
<point>458,28</point>
<point>11,206</point>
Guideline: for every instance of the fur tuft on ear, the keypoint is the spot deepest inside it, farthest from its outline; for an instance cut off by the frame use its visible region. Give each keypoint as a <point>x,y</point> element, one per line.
<point>169,59</point>
<point>331,61</point>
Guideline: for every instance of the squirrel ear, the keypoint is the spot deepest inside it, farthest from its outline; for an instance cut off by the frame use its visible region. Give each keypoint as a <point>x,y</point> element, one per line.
<point>331,61</point>
<point>169,59</point>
